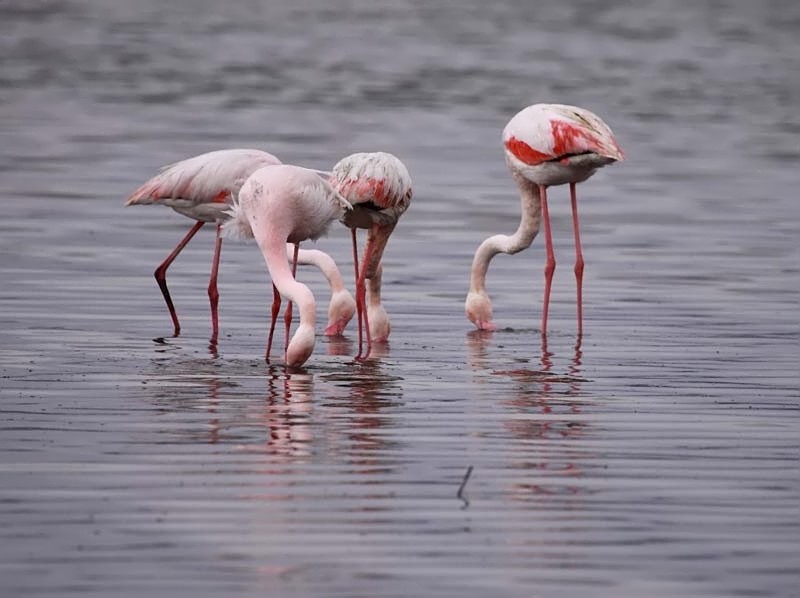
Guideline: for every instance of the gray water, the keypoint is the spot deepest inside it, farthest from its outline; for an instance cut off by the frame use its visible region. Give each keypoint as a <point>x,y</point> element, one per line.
<point>657,458</point>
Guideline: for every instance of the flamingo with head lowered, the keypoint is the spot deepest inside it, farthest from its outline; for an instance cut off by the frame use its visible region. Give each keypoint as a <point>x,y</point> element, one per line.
<point>202,188</point>
<point>278,205</point>
<point>545,145</point>
<point>379,187</point>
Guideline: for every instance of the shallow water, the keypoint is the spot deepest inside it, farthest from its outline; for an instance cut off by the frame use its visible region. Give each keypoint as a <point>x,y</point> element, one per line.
<point>657,458</point>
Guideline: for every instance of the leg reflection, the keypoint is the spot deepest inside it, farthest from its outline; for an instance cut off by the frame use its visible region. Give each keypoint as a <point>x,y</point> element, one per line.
<point>544,406</point>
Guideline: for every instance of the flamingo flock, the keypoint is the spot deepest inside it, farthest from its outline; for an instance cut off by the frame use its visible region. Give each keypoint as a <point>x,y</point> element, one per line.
<point>250,194</point>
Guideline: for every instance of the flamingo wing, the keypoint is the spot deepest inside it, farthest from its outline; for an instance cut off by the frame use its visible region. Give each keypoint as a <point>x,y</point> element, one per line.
<point>376,178</point>
<point>544,132</point>
<point>213,177</point>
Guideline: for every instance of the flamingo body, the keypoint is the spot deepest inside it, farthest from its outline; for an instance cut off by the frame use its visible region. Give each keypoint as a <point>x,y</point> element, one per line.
<point>379,178</point>
<point>554,144</point>
<point>285,198</point>
<point>280,204</point>
<point>203,188</point>
<point>379,186</point>
<point>545,145</point>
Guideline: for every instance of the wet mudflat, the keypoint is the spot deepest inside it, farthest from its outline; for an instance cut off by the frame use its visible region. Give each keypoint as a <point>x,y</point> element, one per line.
<point>657,457</point>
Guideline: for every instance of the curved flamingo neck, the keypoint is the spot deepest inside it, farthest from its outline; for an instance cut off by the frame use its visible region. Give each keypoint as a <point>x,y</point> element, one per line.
<point>531,204</point>
<point>320,259</point>
<point>374,286</point>
<point>273,246</point>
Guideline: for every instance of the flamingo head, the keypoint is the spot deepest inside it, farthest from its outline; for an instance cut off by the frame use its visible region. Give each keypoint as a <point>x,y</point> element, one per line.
<point>340,312</point>
<point>478,308</point>
<point>301,346</point>
<point>379,324</point>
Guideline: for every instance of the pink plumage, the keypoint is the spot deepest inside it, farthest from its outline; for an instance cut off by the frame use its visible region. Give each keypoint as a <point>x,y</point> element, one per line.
<point>280,204</point>
<point>545,145</point>
<point>546,132</point>
<point>203,188</point>
<point>199,187</point>
<point>379,178</point>
<point>379,187</point>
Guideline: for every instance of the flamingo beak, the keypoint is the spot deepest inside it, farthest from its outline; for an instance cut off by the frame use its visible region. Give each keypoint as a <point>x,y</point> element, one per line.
<point>337,327</point>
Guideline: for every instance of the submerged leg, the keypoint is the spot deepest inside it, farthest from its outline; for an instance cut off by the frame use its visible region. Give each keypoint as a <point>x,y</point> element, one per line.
<point>550,264</point>
<point>360,300</point>
<point>578,257</point>
<point>161,274</point>
<point>213,293</point>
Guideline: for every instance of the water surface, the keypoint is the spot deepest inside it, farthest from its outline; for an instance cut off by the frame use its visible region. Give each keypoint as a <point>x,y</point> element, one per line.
<point>658,457</point>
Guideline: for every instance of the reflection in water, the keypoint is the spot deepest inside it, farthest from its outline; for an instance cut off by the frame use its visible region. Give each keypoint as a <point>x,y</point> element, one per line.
<point>371,391</point>
<point>272,414</point>
<point>213,348</point>
<point>544,439</point>
<point>341,345</point>
<point>236,414</point>
<point>179,386</point>
<point>338,345</point>
<point>286,414</point>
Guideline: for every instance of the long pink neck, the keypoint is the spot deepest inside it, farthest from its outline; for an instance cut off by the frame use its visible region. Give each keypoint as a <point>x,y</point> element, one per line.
<point>521,239</point>
<point>374,286</point>
<point>273,246</point>
<point>320,259</point>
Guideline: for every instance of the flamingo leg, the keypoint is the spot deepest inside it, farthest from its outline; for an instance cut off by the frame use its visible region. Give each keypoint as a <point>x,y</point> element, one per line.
<point>578,257</point>
<point>213,293</point>
<point>287,317</point>
<point>161,274</point>
<point>550,264</point>
<point>360,301</point>
<point>276,307</point>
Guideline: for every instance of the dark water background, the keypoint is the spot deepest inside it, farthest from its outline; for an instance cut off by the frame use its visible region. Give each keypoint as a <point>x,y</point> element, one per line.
<point>659,458</point>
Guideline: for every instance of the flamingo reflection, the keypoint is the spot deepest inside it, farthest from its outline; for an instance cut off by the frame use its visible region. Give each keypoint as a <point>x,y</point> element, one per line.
<point>549,463</point>
<point>370,392</point>
<point>286,415</point>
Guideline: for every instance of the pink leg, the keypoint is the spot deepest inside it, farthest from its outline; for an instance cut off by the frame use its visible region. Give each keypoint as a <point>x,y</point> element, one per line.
<point>550,265</point>
<point>361,299</point>
<point>578,257</point>
<point>276,307</point>
<point>161,274</point>
<point>287,317</point>
<point>213,293</point>
<point>360,302</point>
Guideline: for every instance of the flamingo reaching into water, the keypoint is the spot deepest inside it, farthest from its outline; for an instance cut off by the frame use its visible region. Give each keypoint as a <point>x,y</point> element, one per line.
<point>545,144</point>
<point>280,204</point>
<point>379,187</point>
<point>203,188</point>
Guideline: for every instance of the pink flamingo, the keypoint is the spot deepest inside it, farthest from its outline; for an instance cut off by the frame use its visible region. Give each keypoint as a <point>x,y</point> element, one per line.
<point>276,205</point>
<point>545,144</point>
<point>379,187</point>
<point>202,188</point>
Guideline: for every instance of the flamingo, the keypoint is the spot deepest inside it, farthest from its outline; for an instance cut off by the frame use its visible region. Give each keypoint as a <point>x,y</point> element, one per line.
<point>279,204</point>
<point>545,145</point>
<point>202,188</point>
<point>379,187</point>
